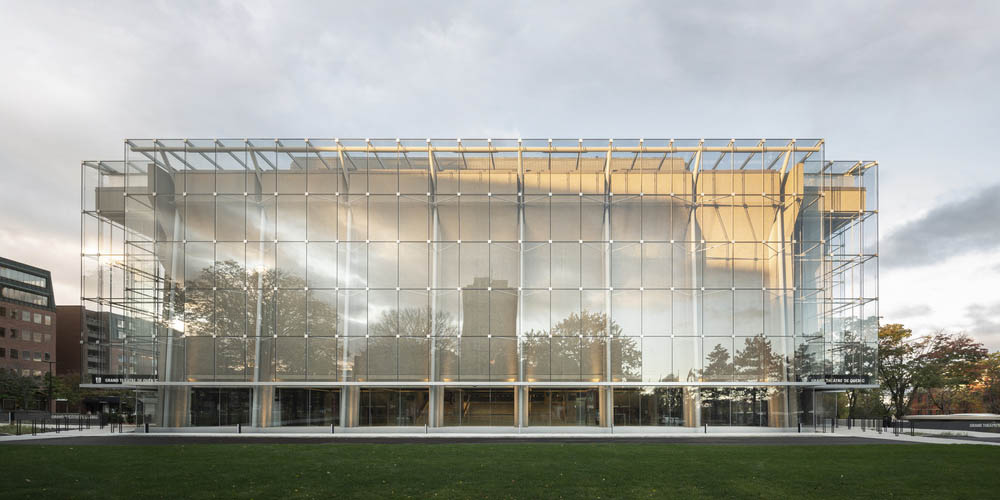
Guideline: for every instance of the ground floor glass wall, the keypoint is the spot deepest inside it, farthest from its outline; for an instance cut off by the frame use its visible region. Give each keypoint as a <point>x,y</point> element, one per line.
<point>563,407</point>
<point>649,406</point>
<point>307,407</point>
<point>657,406</point>
<point>393,407</point>
<point>218,407</point>
<point>479,406</point>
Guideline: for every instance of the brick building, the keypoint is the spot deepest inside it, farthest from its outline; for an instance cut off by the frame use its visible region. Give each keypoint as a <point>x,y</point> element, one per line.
<point>27,319</point>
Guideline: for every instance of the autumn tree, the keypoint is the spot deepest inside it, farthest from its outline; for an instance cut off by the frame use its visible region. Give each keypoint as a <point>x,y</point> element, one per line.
<point>989,389</point>
<point>949,363</point>
<point>898,366</point>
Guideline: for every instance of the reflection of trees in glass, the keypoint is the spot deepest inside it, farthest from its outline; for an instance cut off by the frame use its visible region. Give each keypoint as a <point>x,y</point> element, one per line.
<point>758,361</point>
<point>594,328</point>
<point>413,322</point>
<point>230,310</point>
<point>808,362</point>
<point>717,364</point>
<point>718,367</point>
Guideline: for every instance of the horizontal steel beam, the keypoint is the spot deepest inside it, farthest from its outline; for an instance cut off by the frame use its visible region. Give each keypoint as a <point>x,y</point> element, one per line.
<point>482,149</point>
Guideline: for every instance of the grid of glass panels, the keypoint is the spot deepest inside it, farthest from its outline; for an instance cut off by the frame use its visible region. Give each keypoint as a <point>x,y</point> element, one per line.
<point>657,261</point>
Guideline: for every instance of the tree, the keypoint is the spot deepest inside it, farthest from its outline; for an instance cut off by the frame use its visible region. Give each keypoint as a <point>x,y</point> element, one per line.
<point>898,363</point>
<point>23,390</point>
<point>989,389</point>
<point>948,365</point>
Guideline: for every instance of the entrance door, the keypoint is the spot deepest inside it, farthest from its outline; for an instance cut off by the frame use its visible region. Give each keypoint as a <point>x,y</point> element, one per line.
<point>554,407</point>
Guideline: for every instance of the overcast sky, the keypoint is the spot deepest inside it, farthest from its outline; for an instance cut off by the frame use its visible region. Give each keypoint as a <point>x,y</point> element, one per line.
<point>913,85</point>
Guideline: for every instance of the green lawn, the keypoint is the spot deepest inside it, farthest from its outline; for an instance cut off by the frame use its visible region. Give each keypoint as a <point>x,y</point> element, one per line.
<point>529,470</point>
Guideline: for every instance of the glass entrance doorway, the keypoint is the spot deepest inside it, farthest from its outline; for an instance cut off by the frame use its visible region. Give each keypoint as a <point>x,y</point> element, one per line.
<point>478,406</point>
<point>563,407</point>
<point>307,407</point>
<point>392,407</point>
<point>219,407</point>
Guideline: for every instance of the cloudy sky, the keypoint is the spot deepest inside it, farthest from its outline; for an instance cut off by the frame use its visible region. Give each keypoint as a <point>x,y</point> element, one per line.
<point>913,85</point>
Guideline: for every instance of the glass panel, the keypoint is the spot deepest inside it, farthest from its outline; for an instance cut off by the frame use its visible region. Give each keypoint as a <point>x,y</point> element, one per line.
<point>291,218</point>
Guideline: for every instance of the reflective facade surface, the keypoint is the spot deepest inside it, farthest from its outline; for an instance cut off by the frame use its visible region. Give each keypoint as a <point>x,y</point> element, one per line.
<point>483,282</point>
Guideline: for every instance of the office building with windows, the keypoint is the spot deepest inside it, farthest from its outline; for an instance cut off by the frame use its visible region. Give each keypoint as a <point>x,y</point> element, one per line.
<point>27,319</point>
<point>641,283</point>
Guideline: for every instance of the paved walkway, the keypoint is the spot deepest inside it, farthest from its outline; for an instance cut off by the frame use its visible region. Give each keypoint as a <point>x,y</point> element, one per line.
<point>842,436</point>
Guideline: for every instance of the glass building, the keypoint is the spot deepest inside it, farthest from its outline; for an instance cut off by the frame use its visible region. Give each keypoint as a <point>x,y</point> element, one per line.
<point>505,283</point>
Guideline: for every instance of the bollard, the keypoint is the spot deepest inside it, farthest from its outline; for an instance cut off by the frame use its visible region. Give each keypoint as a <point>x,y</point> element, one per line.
<point>332,431</point>
<point>833,423</point>
<point>706,428</point>
<point>912,433</point>
<point>145,426</point>
<point>800,427</point>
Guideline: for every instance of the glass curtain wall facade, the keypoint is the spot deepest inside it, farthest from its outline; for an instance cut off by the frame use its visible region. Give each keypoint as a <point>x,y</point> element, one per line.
<point>483,282</point>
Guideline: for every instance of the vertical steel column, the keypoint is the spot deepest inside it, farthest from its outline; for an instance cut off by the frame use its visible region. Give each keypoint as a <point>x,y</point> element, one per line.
<point>350,396</point>
<point>692,395</point>
<point>520,392</point>
<point>259,417</point>
<point>605,394</point>
<point>436,393</point>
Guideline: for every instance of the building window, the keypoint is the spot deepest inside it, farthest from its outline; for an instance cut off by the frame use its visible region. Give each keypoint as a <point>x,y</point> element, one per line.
<point>23,296</point>
<point>37,373</point>
<point>26,355</point>
<point>25,315</point>
<point>25,372</point>
<point>3,312</point>
<point>48,357</point>
<point>37,356</point>
<point>38,337</point>
<point>3,332</point>
<point>23,277</point>
<point>3,352</point>
<point>13,333</point>
<point>13,354</point>
<point>48,338</point>
<point>38,318</point>
<point>48,320</point>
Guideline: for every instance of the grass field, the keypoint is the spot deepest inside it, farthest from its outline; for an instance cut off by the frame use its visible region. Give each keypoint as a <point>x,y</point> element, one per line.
<point>530,470</point>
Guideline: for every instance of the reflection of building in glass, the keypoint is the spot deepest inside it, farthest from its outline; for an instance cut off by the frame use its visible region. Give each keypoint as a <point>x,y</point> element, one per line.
<point>485,282</point>
<point>488,313</point>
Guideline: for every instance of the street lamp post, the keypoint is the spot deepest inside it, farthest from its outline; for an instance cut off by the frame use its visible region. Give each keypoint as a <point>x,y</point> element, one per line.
<point>50,388</point>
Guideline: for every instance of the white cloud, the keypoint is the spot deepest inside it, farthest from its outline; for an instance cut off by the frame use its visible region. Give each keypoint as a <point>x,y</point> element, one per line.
<point>919,97</point>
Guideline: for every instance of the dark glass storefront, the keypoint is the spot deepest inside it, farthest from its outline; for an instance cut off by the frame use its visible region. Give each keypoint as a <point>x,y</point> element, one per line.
<point>393,407</point>
<point>307,407</point>
<point>662,406</point>
<point>554,407</point>
<point>653,406</point>
<point>725,406</point>
<point>216,407</point>
<point>476,407</point>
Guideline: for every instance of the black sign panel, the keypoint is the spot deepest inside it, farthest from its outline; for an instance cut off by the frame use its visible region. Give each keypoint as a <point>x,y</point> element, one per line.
<point>120,379</point>
<point>840,378</point>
